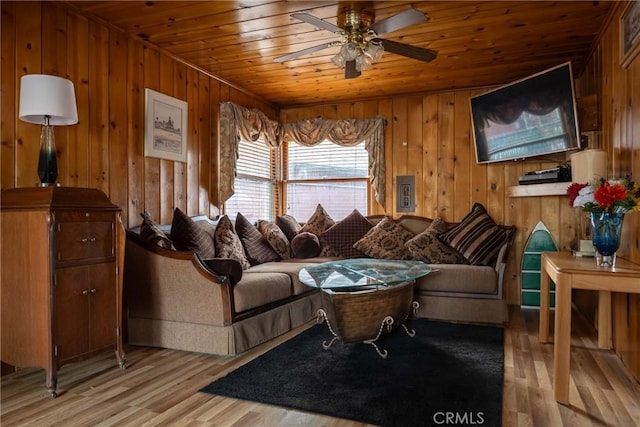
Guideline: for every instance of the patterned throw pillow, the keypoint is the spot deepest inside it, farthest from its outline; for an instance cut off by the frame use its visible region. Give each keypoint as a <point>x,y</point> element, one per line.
<point>289,226</point>
<point>275,238</point>
<point>478,238</point>
<point>343,235</point>
<point>150,232</point>
<point>188,236</point>
<point>428,248</point>
<point>386,241</point>
<point>255,246</point>
<point>319,222</point>
<point>228,244</point>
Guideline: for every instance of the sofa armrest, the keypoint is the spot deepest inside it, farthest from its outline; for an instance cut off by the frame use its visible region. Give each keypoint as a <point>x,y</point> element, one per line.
<point>173,285</point>
<point>501,259</point>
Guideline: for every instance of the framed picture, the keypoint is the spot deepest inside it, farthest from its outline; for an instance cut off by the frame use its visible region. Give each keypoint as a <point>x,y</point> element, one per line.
<point>630,33</point>
<point>165,131</point>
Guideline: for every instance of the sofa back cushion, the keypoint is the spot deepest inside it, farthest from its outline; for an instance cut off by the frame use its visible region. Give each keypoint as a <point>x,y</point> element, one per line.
<point>152,233</point>
<point>344,234</point>
<point>188,235</point>
<point>275,237</point>
<point>228,244</point>
<point>255,246</point>
<point>478,238</point>
<point>386,240</point>
<point>428,248</point>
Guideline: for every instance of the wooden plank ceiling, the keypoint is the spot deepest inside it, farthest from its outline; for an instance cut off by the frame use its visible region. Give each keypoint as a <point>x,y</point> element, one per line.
<point>479,43</point>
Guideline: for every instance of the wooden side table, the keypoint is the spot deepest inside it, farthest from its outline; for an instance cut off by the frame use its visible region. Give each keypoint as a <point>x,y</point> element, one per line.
<point>569,272</point>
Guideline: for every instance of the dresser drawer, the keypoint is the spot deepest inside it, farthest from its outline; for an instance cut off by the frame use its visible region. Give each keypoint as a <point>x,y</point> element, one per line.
<point>84,240</point>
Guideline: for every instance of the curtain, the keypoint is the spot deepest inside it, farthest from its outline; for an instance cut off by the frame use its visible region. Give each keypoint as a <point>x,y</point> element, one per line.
<point>346,132</point>
<point>251,125</point>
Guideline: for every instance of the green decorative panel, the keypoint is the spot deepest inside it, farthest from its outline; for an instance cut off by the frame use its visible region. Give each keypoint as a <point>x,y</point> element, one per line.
<point>531,261</point>
<point>532,299</point>
<point>531,280</point>
<point>539,241</point>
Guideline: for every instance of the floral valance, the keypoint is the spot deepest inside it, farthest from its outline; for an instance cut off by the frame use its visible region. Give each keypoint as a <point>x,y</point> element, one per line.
<point>249,124</point>
<point>237,122</point>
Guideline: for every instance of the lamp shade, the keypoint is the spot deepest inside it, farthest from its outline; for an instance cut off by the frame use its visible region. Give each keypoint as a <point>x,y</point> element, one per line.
<point>43,95</point>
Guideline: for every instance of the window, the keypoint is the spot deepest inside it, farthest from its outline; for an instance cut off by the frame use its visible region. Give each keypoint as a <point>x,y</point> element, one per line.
<point>255,184</point>
<point>332,175</point>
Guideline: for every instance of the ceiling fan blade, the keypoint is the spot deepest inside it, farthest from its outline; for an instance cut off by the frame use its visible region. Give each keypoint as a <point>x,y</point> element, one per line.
<point>350,71</point>
<point>419,53</point>
<point>410,16</point>
<point>319,23</point>
<point>294,55</point>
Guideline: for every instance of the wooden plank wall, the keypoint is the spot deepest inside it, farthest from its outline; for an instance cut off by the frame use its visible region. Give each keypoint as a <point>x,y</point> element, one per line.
<point>105,149</point>
<point>618,92</point>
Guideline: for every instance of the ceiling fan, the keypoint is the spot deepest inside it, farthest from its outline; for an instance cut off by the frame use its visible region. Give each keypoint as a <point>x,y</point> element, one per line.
<point>360,42</point>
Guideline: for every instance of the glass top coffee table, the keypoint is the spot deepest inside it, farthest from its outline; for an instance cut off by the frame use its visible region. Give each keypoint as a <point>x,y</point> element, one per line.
<point>364,298</point>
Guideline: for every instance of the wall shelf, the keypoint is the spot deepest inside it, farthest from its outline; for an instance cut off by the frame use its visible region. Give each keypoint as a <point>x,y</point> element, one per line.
<point>538,190</point>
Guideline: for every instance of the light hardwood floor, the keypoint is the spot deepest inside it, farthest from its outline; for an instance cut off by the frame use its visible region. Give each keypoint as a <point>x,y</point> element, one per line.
<point>160,388</point>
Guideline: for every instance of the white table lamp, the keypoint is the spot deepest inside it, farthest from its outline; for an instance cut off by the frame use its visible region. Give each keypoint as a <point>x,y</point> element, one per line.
<point>48,101</point>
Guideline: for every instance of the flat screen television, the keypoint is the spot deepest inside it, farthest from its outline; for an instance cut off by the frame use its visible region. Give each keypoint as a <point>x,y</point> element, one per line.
<point>532,117</point>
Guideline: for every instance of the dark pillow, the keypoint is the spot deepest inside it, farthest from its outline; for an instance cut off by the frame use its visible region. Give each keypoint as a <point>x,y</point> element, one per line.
<point>478,238</point>
<point>386,241</point>
<point>317,224</point>
<point>289,226</point>
<point>305,245</point>
<point>225,267</point>
<point>426,246</point>
<point>255,246</point>
<point>150,232</point>
<point>343,235</point>
<point>275,238</point>
<point>188,236</point>
<point>228,244</point>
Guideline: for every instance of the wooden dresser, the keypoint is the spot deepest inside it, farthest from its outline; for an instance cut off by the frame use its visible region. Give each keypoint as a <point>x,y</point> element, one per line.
<point>62,265</point>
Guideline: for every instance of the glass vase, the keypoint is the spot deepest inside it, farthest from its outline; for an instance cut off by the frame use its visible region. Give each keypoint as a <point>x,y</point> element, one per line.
<point>606,237</point>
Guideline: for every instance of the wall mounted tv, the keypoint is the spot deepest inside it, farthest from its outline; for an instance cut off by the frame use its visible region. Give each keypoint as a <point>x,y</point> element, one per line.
<point>532,117</point>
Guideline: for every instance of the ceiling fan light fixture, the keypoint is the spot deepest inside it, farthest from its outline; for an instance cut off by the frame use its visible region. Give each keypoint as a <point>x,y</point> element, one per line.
<point>362,63</point>
<point>349,51</point>
<point>374,51</point>
<point>339,60</point>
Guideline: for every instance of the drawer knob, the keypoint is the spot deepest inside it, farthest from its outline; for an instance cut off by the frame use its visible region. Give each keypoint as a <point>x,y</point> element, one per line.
<point>85,292</point>
<point>93,291</point>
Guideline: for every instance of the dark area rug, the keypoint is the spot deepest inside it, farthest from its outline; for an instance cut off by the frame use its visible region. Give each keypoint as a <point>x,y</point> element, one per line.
<point>448,374</point>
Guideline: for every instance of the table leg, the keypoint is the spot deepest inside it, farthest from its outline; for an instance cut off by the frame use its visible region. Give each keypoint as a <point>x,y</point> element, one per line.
<point>604,319</point>
<point>543,333</point>
<point>562,340</point>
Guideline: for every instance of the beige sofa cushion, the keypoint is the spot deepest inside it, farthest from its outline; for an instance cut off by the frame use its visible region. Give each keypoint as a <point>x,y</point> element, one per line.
<point>257,289</point>
<point>289,268</point>
<point>458,278</point>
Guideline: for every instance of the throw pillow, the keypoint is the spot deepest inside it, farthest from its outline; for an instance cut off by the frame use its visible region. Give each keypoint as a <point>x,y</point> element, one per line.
<point>289,226</point>
<point>275,238</point>
<point>343,235</point>
<point>305,245</point>
<point>228,244</point>
<point>150,232</point>
<point>478,238</point>
<point>319,222</point>
<point>426,246</point>
<point>386,241</point>
<point>188,236</point>
<point>255,246</point>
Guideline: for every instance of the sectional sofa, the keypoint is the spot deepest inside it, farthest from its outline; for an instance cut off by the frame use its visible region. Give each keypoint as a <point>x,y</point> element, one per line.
<point>214,300</point>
